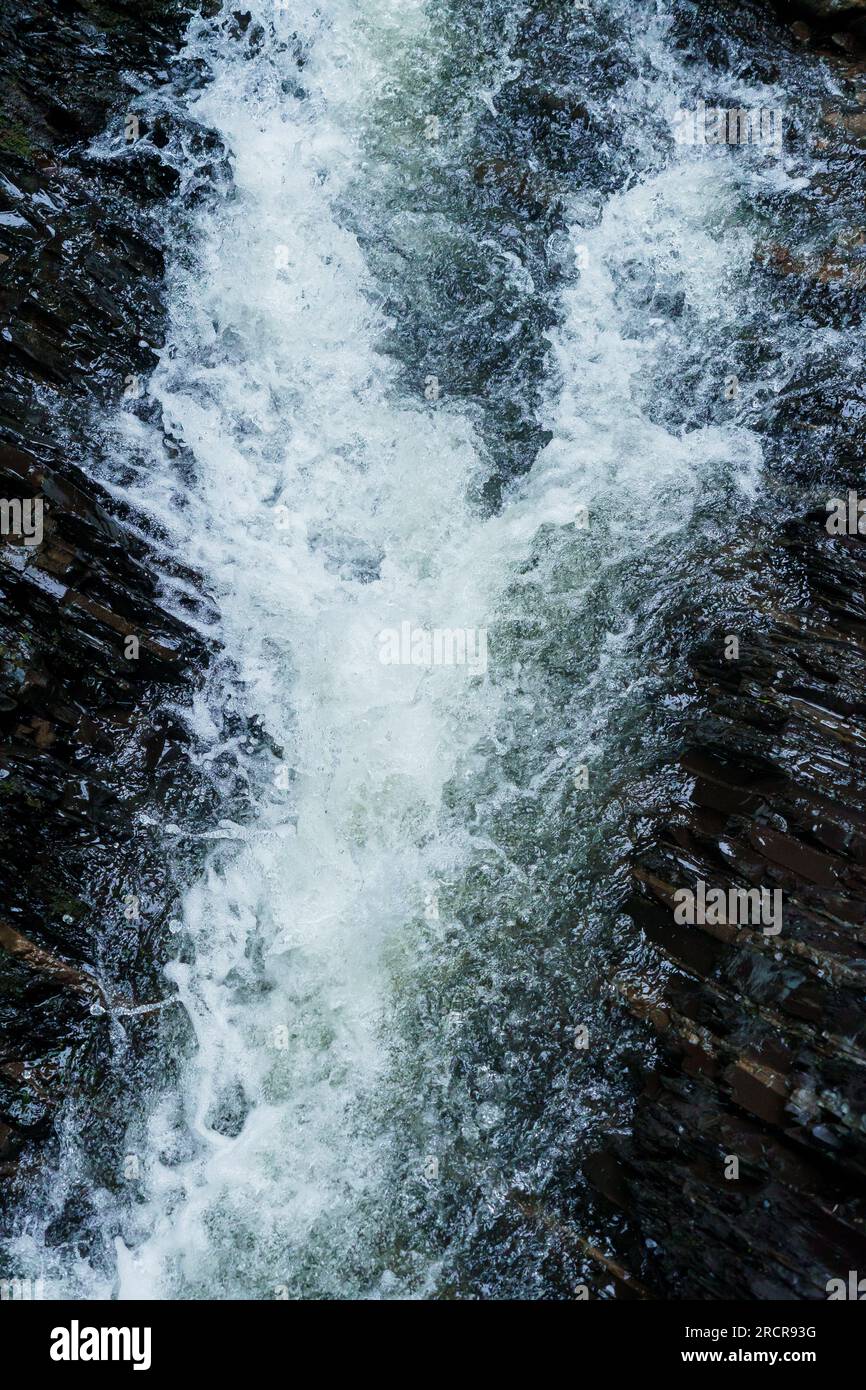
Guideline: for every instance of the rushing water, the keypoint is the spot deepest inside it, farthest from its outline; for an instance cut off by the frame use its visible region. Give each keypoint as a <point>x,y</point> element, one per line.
<point>417,373</point>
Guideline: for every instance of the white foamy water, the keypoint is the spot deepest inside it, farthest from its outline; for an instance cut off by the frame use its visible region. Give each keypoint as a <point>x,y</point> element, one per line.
<point>322,505</point>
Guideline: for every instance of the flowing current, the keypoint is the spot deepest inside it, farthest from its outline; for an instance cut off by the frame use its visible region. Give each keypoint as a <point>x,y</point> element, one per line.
<point>405,390</point>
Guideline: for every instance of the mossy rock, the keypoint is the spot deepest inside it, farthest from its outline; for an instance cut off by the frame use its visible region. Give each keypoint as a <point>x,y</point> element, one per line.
<point>14,139</point>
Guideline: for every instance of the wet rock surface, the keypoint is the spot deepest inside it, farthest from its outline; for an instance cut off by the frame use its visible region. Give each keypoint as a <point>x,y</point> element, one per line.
<point>94,668</point>
<point>761,1036</point>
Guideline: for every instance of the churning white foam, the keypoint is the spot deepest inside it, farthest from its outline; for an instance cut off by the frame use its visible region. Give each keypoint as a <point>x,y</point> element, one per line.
<point>322,509</point>
<point>322,512</point>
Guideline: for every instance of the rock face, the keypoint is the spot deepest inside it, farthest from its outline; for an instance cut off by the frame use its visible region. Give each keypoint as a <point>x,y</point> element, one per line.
<point>762,1038</point>
<point>827,9</point>
<point>89,655</point>
<point>827,17</point>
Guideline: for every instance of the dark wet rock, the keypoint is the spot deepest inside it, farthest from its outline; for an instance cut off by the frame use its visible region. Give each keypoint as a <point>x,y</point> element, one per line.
<point>829,9</point>
<point>842,22</point>
<point>91,762</point>
<point>524,185</point>
<point>844,263</point>
<point>854,122</point>
<point>761,1039</point>
<point>228,1115</point>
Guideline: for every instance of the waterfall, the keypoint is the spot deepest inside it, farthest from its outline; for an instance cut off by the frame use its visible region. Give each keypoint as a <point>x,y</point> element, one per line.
<point>441,690</point>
